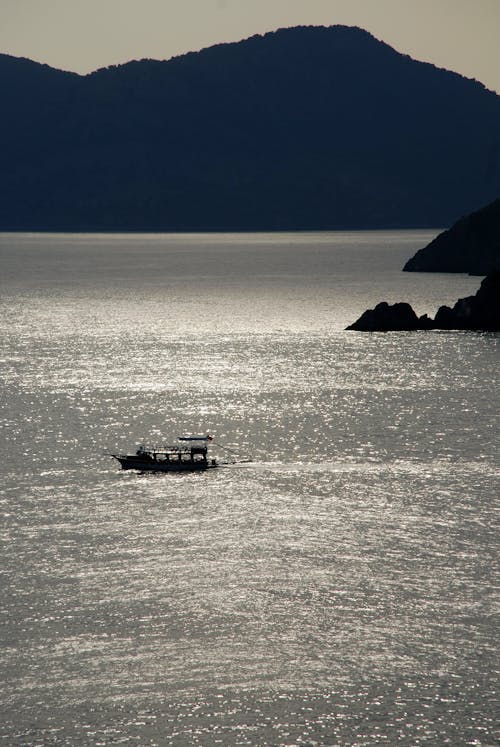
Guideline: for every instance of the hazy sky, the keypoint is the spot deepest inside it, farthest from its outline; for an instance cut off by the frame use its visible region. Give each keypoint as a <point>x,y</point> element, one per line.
<point>82,35</point>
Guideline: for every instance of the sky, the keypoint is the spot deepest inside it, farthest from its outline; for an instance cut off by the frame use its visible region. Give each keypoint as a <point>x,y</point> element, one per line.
<point>83,35</point>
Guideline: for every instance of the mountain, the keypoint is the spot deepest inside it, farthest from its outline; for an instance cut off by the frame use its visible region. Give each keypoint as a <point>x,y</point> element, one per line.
<point>303,128</point>
<point>471,245</point>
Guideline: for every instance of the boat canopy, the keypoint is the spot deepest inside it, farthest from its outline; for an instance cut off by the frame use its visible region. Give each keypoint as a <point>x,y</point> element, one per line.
<point>195,438</point>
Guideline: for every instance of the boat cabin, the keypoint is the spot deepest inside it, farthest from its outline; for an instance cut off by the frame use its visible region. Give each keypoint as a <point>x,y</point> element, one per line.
<point>189,454</point>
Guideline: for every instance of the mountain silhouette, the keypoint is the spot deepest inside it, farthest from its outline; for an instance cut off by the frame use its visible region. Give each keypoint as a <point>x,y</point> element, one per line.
<point>302,128</point>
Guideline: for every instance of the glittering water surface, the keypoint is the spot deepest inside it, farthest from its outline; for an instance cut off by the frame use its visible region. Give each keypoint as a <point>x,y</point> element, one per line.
<point>338,590</point>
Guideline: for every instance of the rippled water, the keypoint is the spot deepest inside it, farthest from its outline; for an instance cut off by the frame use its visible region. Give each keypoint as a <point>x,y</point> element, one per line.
<point>341,589</point>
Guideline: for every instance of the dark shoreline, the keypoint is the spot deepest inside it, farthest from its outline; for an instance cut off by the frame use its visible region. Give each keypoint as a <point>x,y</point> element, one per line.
<point>480,312</point>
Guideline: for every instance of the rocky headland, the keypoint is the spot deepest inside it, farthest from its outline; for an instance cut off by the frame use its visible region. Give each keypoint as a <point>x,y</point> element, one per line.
<point>478,312</point>
<point>471,245</point>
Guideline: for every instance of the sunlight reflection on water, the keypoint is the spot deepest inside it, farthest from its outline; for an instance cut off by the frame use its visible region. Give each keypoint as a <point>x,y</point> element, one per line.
<point>339,589</point>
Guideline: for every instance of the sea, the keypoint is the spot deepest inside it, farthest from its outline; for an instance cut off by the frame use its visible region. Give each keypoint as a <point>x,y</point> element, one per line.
<point>340,589</point>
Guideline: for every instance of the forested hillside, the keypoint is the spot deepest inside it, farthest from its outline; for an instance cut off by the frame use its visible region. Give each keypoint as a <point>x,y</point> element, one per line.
<point>303,128</point>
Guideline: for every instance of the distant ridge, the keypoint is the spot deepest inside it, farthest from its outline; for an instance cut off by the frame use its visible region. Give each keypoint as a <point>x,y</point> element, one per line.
<point>302,128</point>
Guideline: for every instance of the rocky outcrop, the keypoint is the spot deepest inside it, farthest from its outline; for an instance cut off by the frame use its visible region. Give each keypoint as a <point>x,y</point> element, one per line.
<point>471,245</point>
<point>479,312</point>
<point>386,318</point>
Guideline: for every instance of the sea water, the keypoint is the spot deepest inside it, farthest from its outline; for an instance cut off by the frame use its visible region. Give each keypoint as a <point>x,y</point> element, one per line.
<point>340,589</point>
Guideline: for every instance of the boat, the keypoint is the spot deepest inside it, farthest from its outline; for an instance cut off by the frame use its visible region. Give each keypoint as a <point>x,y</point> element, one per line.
<point>189,455</point>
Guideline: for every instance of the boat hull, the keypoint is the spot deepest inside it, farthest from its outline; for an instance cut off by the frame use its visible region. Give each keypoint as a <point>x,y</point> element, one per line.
<point>143,465</point>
